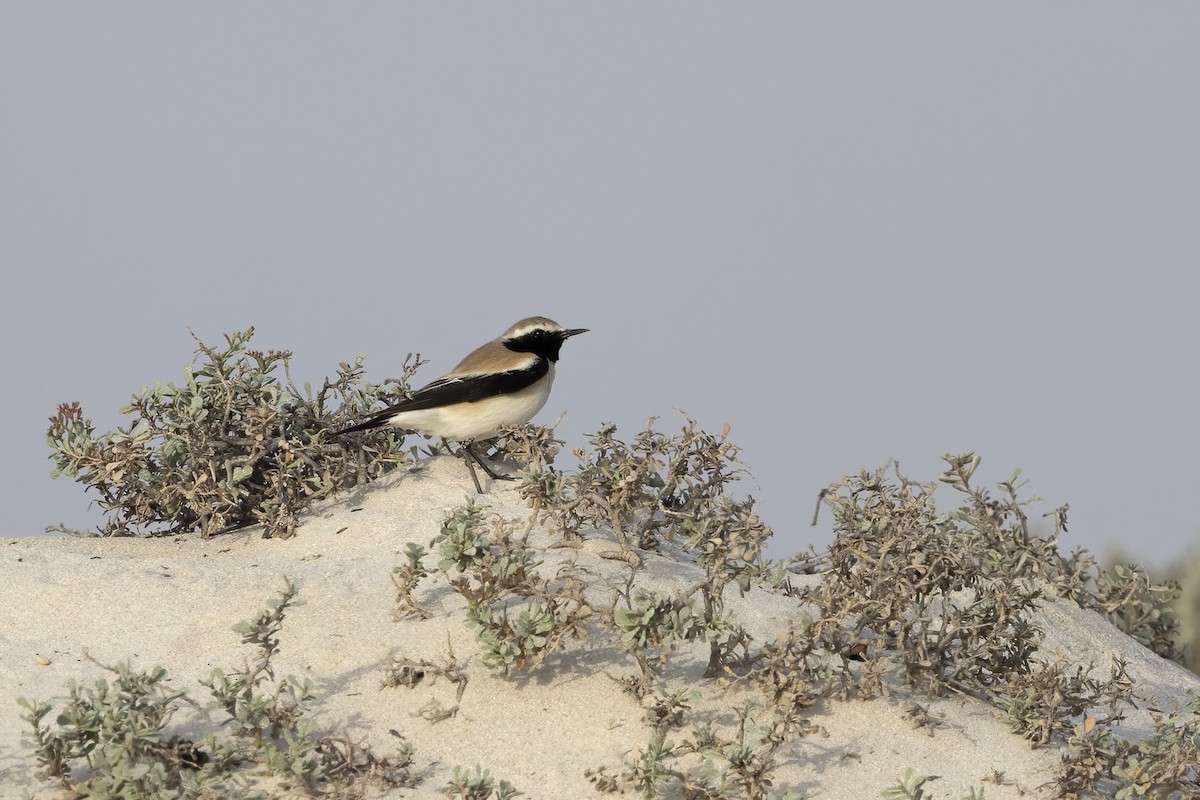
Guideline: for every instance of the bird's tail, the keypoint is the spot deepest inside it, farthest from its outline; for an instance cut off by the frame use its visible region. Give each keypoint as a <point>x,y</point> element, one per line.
<point>377,421</point>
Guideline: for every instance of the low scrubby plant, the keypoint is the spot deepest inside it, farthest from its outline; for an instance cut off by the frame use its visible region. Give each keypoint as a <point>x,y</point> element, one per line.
<point>408,673</point>
<point>645,770</point>
<point>642,491</point>
<point>1043,703</point>
<point>272,714</point>
<point>651,624</point>
<point>913,787</point>
<point>741,765</point>
<point>478,784</point>
<point>1139,607</point>
<point>1165,764</point>
<point>657,489</point>
<point>519,616</point>
<point>235,443</point>
<point>534,447</point>
<point>113,740</point>
<point>406,578</point>
<point>716,762</point>
<point>950,593</point>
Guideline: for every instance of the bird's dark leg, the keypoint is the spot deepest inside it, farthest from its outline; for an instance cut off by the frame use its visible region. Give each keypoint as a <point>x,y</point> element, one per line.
<point>467,450</point>
<point>464,450</point>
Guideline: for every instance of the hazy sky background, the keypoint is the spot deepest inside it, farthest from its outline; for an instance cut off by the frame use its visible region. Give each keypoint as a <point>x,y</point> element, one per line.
<point>853,231</point>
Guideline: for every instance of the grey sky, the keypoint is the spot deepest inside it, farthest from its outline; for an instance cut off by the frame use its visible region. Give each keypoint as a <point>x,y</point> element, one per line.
<point>852,231</point>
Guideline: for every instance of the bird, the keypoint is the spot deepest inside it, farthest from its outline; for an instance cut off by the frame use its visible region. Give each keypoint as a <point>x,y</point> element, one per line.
<point>501,383</point>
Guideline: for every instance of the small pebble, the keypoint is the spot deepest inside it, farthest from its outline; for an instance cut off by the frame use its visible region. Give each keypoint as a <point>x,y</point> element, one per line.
<point>41,660</point>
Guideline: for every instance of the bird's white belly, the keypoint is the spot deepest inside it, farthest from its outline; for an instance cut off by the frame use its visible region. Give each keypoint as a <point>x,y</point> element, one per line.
<point>479,420</point>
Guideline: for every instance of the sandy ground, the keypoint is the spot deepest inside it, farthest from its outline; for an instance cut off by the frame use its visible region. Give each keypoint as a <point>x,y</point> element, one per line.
<point>173,602</point>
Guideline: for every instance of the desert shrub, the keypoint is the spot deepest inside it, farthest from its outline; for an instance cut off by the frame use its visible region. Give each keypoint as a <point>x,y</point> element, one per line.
<point>1044,702</point>
<point>478,784</point>
<point>914,787</point>
<point>653,623</point>
<point>946,599</point>
<point>253,713</point>
<point>646,771</point>
<point>402,671</point>
<point>235,443</point>
<point>406,578</point>
<point>656,489</point>
<point>641,491</point>
<point>1127,596</point>
<point>519,616</point>
<point>949,596</point>
<point>741,764</point>
<point>533,446</point>
<point>273,715</point>
<point>1124,594</point>
<point>1165,764</point>
<point>113,740</point>
<point>711,763</point>
<point>950,593</point>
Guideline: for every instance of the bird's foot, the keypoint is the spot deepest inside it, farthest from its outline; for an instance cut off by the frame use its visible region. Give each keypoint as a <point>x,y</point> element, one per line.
<point>467,451</point>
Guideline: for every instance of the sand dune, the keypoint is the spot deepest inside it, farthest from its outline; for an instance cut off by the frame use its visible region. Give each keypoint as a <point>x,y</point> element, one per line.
<point>172,602</point>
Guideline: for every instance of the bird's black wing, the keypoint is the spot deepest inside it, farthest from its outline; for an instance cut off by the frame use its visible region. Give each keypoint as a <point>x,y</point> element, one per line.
<point>459,389</point>
<point>472,388</point>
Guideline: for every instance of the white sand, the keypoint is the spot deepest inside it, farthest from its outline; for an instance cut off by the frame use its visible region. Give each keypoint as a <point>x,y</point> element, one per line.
<point>172,602</point>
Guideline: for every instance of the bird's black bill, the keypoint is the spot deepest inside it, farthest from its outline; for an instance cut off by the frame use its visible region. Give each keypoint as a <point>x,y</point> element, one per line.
<point>567,334</point>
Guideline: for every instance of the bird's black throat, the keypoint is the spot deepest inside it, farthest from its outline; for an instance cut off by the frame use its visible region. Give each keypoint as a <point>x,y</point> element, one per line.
<point>539,342</point>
